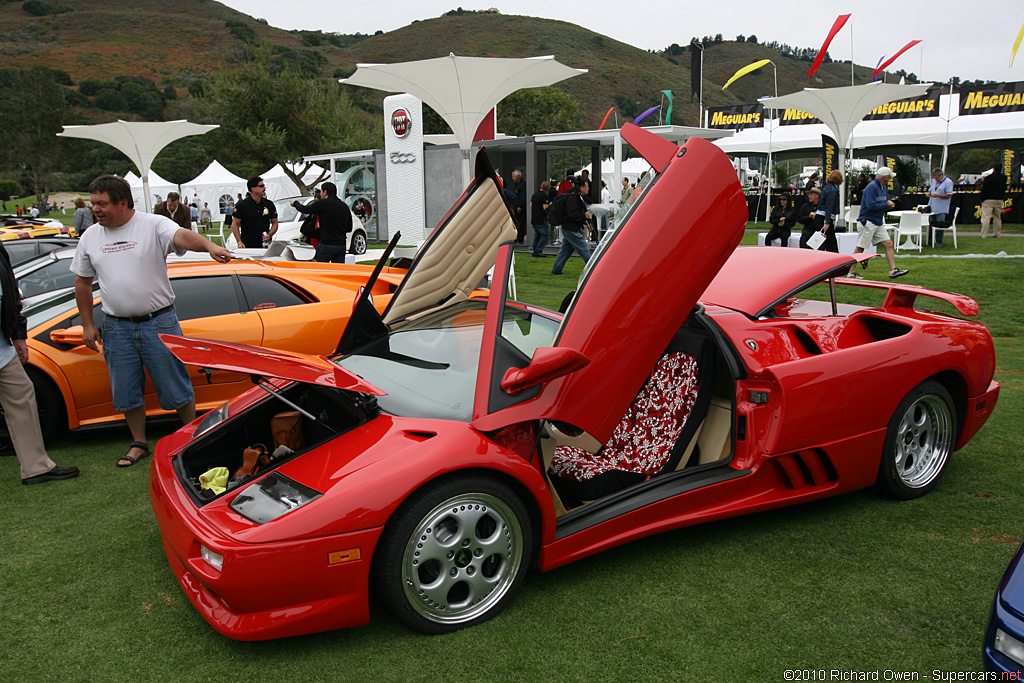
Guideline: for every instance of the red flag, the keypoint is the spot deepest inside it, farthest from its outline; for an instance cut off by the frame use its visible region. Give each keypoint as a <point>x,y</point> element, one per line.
<point>892,59</point>
<point>840,22</point>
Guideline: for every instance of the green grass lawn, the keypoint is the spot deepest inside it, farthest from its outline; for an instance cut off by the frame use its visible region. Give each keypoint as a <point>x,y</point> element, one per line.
<point>857,582</point>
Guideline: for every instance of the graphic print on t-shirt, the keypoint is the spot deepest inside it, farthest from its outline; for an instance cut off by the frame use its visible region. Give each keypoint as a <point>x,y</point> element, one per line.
<point>115,247</point>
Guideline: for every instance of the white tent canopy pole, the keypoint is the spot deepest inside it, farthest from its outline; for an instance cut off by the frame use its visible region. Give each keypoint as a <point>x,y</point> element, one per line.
<point>462,90</point>
<point>140,141</point>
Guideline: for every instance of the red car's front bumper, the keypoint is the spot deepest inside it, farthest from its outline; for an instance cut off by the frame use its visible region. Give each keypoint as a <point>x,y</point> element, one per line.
<point>263,591</point>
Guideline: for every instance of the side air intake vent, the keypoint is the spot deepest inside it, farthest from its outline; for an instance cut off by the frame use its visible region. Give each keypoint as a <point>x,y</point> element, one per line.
<point>807,468</point>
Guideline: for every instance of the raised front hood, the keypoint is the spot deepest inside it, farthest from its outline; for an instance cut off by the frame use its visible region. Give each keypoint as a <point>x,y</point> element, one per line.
<point>254,360</point>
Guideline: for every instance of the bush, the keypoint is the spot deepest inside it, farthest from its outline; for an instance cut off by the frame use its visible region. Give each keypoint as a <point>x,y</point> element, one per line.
<point>90,86</point>
<point>75,98</point>
<point>42,9</point>
<point>10,188</point>
<point>110,99</point>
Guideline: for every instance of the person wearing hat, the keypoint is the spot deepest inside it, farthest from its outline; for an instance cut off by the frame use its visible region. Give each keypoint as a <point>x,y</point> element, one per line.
<point>870,223</point>
<point>781,218</point>
<point>806,214</point>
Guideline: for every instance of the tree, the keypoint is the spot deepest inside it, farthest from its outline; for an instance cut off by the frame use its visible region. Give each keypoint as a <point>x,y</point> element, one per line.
<point>533,111</point>
<point>32,115</point>
<point>271,118</point>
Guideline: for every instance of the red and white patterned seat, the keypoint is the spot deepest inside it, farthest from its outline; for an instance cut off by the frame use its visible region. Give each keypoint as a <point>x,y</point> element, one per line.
<point>644,440</point>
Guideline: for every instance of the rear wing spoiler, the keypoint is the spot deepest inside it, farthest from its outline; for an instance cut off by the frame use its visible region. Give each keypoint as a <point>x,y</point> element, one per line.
<point>903,296</point>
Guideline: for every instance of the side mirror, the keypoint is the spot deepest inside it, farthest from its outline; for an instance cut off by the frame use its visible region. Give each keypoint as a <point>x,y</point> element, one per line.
<point>548,363</point>
<point>73,335</point>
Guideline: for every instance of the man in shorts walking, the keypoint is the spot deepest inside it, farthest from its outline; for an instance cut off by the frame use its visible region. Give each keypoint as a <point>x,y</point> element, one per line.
<point>127,250</point>
<point>870,223</point>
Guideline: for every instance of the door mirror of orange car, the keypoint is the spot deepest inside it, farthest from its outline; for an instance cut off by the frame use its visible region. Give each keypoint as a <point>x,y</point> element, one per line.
<point>74,335</point>
<point>548,363</point>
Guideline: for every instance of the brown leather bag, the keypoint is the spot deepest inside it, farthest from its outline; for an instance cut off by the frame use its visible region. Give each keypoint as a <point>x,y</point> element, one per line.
<point>254,461</point>
<point>287,430</point>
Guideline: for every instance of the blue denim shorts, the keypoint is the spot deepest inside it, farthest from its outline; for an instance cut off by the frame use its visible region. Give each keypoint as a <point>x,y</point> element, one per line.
<point>128,347</point>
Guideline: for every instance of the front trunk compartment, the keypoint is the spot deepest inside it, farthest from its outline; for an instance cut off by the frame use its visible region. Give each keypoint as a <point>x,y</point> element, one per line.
<point>335,411</point>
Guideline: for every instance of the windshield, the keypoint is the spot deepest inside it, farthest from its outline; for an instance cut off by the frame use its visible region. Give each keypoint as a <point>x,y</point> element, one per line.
<point>428,365</point>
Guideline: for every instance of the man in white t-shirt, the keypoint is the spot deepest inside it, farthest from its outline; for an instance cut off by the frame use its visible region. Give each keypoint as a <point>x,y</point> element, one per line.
<point>127,250</point>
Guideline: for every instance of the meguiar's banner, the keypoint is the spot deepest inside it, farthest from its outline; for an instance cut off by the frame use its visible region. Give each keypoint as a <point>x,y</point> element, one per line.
<point>795,117</point>
<point>737,117</point>
<point>910,108</point>
<point>1011,165</point>
<point>829,154</point>
<point>891,163</point>
<point>992,99</point>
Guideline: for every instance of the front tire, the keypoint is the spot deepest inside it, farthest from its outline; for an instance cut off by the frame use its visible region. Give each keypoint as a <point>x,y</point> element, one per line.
<point>918,442</point>
<point>454,554</point>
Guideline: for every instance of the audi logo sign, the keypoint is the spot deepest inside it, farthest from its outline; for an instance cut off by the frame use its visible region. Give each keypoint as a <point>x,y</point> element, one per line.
<point>400,123</point>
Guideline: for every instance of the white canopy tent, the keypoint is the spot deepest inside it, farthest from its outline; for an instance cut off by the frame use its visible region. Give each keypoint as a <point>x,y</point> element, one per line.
<point>631,168</point>
<point>842,109</point>
<point>212,185</point>
<point>279,185</point>
<point>158,189</point>
<point>140,141</point>
<point>462,90</point>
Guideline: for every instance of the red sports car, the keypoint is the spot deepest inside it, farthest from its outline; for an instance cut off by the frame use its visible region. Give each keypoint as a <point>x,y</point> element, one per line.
<point>453,442</point>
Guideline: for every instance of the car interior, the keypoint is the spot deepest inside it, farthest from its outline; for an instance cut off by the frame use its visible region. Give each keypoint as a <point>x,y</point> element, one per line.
<point>679,422</point>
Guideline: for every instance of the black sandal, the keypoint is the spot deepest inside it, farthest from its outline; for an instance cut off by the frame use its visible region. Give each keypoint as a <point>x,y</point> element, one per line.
<point>135,444</point>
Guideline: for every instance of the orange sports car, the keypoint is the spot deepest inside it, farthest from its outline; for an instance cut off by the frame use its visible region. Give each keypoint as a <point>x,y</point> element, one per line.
<point>288,305</point>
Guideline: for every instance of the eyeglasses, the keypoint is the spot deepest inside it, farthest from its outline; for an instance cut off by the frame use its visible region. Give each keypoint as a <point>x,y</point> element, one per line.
<point>261,185</point>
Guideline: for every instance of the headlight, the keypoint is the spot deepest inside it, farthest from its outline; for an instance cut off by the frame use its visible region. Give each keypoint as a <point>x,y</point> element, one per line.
<point>271,497</point>
<point>212,419</point>
<point>1009,646</point>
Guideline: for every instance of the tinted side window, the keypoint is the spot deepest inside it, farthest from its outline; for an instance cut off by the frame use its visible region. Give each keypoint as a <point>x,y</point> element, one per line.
<point>20,251</point>
<point>203,297</point>
<point>265,292</point>
<point>55,275</point>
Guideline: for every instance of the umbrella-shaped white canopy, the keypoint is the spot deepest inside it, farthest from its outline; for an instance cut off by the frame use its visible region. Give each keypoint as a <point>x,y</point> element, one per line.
<point>841,109</point>
<point>462,89</point>
<point>140,141</point>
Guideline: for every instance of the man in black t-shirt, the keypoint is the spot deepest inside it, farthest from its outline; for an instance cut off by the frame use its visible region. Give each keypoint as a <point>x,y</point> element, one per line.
<point>254,216</point>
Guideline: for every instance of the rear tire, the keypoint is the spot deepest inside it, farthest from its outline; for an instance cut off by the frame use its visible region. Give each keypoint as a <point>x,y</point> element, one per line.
<point>454,553</point>
<point>358,245</point>
<point>918,442</point>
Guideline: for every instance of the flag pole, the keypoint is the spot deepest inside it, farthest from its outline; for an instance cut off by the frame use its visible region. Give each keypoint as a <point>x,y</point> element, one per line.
<point>851,51</point>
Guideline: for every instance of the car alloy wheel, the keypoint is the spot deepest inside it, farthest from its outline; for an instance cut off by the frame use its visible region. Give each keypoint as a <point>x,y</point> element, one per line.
<point>358,243</point>
<point>918,442</point>
<point>454,554</point>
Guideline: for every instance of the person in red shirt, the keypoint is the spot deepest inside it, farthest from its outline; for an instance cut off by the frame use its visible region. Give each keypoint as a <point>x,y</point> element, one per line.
<point>566,184</point>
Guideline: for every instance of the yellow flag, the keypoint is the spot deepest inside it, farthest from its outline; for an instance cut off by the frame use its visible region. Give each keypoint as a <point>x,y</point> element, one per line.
<point>754,67</point>
<point>1016,44</point>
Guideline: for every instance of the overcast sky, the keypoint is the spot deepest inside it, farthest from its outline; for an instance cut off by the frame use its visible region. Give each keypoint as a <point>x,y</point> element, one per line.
<point>971,39</point>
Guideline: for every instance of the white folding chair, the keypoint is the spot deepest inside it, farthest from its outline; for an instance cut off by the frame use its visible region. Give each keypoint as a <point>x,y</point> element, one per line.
<point>909,232</point>
<point>951,228</point>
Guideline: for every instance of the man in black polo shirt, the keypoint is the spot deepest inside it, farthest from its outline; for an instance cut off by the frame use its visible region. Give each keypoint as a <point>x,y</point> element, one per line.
<point>335,221</point>
<point>254,216</point>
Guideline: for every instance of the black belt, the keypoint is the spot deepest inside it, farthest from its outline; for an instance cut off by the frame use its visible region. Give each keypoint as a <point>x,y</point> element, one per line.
<point>144,318</point>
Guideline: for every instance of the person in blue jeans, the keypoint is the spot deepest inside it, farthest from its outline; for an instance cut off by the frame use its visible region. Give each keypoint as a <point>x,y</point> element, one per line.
<point>577,217</point>
<point>940,192</point>
<point>127,251</point>
<point>539,203</point>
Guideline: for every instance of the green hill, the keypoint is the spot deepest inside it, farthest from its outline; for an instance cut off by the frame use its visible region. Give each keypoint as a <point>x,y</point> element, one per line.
<point>177,44</point>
